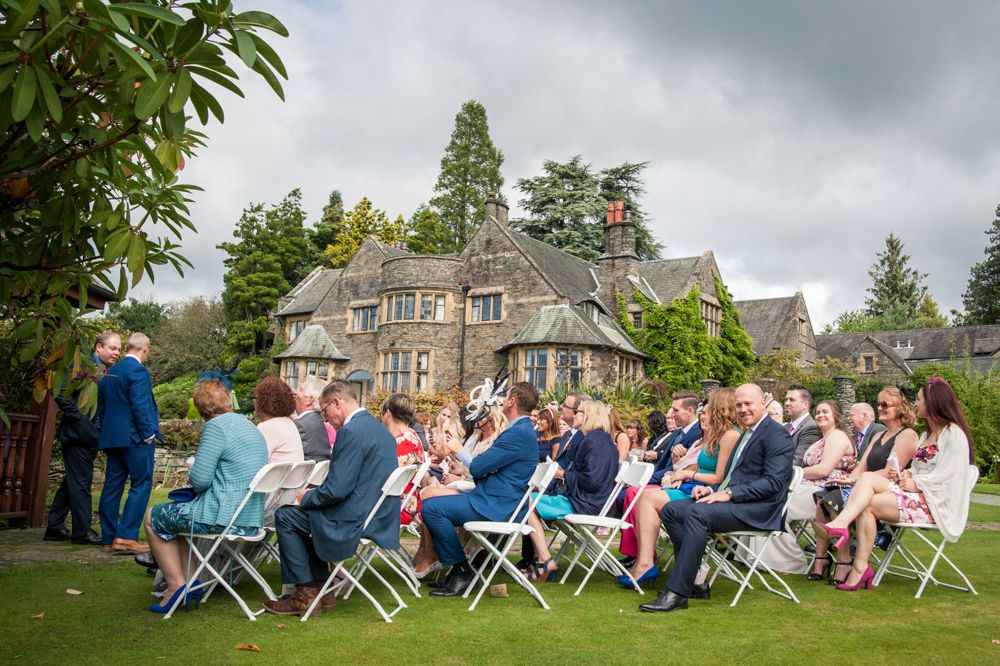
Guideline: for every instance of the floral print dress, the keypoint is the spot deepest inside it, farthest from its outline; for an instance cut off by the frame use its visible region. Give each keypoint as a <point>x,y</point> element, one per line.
<point>912,505</point>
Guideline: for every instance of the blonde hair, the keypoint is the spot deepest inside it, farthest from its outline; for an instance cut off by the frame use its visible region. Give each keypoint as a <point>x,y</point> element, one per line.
<point>722,417</point>
<point>907,414</point>
<point>596,416</point>
<point>499,423</point>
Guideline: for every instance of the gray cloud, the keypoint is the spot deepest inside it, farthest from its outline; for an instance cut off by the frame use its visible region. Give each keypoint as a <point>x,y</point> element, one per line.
<point>788,137</point>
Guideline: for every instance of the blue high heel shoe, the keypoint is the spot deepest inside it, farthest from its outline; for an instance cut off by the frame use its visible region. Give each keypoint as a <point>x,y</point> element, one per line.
<point>651,574</point>
<point>195,594</point>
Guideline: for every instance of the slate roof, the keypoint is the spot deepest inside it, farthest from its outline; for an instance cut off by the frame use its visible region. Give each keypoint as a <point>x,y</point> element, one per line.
<point>570,277</point>
<point>922,345</point>
<point>313,343</point>
<point>570,325</point>
<point>766,321</point>
<point>668,277</point>
<point>310,292</point>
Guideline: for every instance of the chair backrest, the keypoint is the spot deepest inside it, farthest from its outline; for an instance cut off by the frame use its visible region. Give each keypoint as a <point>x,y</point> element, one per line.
<point>539,481</point>
<point>418,476</point>
<point>623,467</point>
<point>638,474</point>
<point>393,487</point>
<point>298,475</point>
<point>792,485</point>
<point>319,473</point>
<point>270,477</point>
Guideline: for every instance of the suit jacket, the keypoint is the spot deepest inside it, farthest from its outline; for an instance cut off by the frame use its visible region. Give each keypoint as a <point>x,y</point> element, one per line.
<point>362,460</point>
<point>873,429</point>
<point>760,477</point>
<point>804,436</point>
<point>312,431</point>
<point>593,475</point>
<point>126,409</point>
<point>76,428</point>
<point>665,463</point>
<point>566,452</point>
<point>502,471</point>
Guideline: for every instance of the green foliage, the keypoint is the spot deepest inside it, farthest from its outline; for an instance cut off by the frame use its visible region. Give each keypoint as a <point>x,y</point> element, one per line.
<point>982,295</point>
<point>138,316</point>
<point>191,339</point>
<point>734,348</point>
<point>674,336</point>
<point>895,317</point>
<point>172,397</point>
<point>426,234</point>
<point>363,221</point>
<point>270,255</point>
<point>181,434</point>
<point>929,314</point>
<point>470,174</point>
<point>425,402</point>
<point>93,101</point>
<point>782,366</point>
<point>328,227</point>
<point>567,206</point>
<point>250,371</point>
<point>894,281</point>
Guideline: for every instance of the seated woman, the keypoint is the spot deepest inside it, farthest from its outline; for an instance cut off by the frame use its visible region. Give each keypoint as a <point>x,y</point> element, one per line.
<point>618,435</point>
<point>829,460</point>
<point>658,433</point>
<point>548,434</point>
<point>230,454</point>
<point>897,415</point>
<point>721,432</point>
<point>397,414</point>
<point>935,489</point>
<point>274,404</point>
<point>636,436</point>
<point>588,483</point>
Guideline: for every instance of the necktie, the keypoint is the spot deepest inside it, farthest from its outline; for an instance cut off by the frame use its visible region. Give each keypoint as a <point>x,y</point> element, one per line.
<point>736,457</point>
<point>857,439</point>
<point>791,428</point>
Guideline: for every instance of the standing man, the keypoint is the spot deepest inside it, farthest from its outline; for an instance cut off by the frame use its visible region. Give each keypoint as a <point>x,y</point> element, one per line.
<point>129,428</point>
<point>312,430</point>
<point>79,438</point>
<point>862,418</point>
<point>572,437</point>
<point>328,522</point>
<point>501,473</point>
<point>801,425</point>
<point>751,496</point>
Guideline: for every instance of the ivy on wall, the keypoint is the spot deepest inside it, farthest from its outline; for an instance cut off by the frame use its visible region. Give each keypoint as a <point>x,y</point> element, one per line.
<point>735,354</point>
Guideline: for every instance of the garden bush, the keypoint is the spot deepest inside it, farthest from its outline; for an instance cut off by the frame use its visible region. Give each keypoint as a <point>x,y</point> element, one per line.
<point>172,397</point>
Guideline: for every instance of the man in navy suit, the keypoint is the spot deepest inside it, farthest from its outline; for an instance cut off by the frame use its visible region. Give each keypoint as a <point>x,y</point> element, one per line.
<point>501,473</point>
<point>751,496</point>
<point>572,437</point>
<point>79,438</point>
<point>328,522</point>
<point>685,406</point>
<point>129,426</point>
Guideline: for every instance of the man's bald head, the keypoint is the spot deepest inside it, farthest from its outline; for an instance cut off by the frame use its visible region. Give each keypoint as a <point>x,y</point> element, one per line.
<point>749,404</point>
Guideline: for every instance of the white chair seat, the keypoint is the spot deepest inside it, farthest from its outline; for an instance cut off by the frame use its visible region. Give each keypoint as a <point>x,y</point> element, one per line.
<point>497,528</point>
<point>595,521</point>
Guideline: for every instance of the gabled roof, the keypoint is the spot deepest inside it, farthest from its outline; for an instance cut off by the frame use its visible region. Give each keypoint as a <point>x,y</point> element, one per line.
<point>920,344</point>
<point>570,325</point>
<point>570,277</point>
<point>310,292</point>
<point>313,343</point>
<point>764,320</point>
<point>669,277</point>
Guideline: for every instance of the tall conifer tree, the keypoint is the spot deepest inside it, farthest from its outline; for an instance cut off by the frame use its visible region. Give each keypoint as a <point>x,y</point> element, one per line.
<point>982,296</point>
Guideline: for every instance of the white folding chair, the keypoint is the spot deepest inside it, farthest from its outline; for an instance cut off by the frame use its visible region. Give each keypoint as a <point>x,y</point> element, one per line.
<point>393,487</point>
<point>268,479</point>
<point>754,561</point>
<point>414,526</point>
<point>481,530</point>
<point>636,475</point>
<point>562,528</point>
<point>296,478</point>
<point>915,569</point>
<point>319,473</point>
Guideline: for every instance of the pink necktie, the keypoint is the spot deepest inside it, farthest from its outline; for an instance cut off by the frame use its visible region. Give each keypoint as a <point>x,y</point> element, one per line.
<point>791,428</point>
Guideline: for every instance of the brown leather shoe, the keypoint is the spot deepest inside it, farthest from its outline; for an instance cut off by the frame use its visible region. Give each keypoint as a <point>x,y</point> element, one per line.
<point>128,547</point>
<point>296,604</point>
<point>108,549</point>
<point>329,600</point>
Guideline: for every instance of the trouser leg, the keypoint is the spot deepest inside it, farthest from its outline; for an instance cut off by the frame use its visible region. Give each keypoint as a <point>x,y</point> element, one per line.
<point>300,565</point>
<point>79,479</point>
<point>442,515</point>
<point>139,461</point>
<point>111,494</point>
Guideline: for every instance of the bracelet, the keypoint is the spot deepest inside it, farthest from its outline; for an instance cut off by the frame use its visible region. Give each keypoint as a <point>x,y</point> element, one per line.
<point>694,474</point>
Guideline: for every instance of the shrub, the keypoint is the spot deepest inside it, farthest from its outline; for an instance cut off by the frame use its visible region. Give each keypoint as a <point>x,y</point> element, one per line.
<point>426,402</point>
<point>245,378</point>
<point>172,397</point>
<point>181,434</point>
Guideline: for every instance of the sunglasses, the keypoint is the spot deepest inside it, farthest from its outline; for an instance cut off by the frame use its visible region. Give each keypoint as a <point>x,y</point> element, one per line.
<point>885,405</point>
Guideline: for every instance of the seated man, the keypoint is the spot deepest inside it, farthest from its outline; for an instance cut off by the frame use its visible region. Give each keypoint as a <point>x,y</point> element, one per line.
<point>751,496</point>
<point>328,521</point>
<point>501,474</point>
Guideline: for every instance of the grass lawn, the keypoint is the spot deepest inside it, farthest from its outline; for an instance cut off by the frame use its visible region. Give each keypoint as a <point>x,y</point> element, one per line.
<point>108,623</point>
<point>987,488</point>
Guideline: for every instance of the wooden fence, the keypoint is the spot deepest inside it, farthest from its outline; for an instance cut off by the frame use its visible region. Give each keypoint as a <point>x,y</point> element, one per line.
<point>26,446</point>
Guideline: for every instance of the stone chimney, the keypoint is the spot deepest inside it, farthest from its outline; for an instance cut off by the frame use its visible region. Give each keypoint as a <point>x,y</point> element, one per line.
<point>620,258</point>
<point>497,210</point>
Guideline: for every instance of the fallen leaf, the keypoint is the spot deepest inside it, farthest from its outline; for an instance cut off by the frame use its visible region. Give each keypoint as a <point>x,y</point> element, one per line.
<point>247,646</point>
<point>995,641</point>
<point>41,616</point>
<point>75,593</point>
<point>282,626</point>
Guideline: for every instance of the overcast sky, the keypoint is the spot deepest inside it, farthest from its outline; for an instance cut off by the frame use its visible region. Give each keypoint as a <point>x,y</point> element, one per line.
<point>788,137</point>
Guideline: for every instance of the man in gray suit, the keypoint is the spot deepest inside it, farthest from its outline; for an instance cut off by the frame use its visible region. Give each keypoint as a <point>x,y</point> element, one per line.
<point>862,419</point>
<point>328,521</point>
<point>801,425</point>
<point>312,430</point>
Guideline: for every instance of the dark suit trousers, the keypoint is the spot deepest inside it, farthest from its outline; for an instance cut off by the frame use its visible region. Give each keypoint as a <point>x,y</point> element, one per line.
<point>442,515</point>
<point>300,565</point>
<point>689,525</point>
<point>134,463</point>
<point>73,495</point>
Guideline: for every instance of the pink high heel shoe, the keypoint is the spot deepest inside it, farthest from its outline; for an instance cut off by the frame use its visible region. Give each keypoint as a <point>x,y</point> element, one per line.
<point>866,580</point>
<point>843,536</point>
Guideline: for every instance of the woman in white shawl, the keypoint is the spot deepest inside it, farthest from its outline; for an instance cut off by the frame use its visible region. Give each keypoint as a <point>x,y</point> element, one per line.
<point>935,491</point>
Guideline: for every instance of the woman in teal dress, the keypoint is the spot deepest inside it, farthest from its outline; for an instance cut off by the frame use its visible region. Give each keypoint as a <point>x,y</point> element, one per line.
<point>718,423</point>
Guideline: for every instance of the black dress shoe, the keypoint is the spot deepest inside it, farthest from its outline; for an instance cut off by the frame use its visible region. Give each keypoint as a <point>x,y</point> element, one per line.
<point>56,534</point>
<point>456,582</point>
<point>666,602</point>
<point>627,561</point>
<point>145,560</point>
<point>810,548</point>
<point>702,591</point>
<point>91,538</point>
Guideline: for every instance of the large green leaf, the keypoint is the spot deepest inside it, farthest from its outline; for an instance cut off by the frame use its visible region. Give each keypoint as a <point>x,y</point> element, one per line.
<point>24,94</point>
<point>245,47</point>
<point>264,49</point>
<point>181,92</point>
<point>52,101</point>
<point>152,95</point>
<point>148,11</point>
<point>215,77</point>
<point>188,37</point>
<point>261,68</point>
<point>125,52</point>
<point>260,20</point>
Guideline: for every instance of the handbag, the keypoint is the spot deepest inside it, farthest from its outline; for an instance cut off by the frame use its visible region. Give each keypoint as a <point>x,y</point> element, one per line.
<point>185,494</point>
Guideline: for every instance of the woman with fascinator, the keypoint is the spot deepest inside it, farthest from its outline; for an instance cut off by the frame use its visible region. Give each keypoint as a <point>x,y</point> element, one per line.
<point>934,490</point>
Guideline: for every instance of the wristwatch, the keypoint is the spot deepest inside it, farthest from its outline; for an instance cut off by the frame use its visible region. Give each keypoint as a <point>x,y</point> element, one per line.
<point>730,491</point>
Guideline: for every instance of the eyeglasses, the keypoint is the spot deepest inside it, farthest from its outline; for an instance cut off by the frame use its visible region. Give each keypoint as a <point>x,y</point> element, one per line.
<point>578,411</point>
<point>885,405</point>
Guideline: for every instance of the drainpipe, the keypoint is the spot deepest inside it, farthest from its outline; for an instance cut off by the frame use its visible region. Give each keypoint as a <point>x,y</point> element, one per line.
<point>461,348</point>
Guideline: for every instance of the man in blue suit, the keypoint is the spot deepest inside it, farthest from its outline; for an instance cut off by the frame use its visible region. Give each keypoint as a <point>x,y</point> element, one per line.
<point>501,473</point>
<point>751,496</point>
<point>328,522</point>
<point>572,437</point>
<point>129,422</point>
<point>685,406</point>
